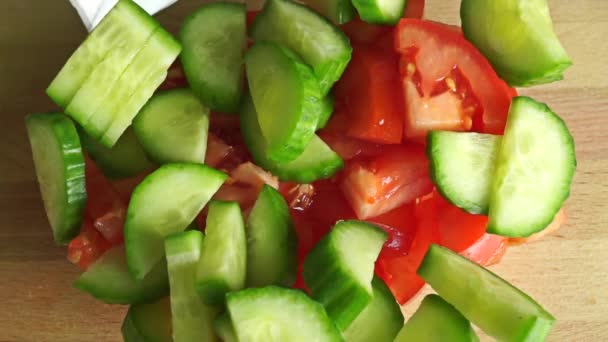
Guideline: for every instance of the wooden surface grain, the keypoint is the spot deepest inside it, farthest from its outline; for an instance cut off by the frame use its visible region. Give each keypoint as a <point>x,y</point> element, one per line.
<point>567,273</point>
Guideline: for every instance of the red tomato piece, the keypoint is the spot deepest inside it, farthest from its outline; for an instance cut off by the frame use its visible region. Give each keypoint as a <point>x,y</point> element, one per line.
<point>400,224</point>
<point>125,187</point>
<point>459,229</point>
<point>369,91</point>
<point>217,150</point>
<point>487,250</point>
<point>328,206</point>
<point>251,17</point>
<point>361,32</point>
<point>414,9</point>
<point>446,69</point>
<point>348,148</point>
<point>396,177</point>
<point>89,245</point>
<point>175,77</point>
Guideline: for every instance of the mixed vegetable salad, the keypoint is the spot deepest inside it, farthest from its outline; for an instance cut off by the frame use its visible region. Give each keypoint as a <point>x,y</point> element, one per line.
<point>296,173</point>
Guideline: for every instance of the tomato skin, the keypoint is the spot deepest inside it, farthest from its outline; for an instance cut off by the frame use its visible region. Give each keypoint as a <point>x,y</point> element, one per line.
<point>397,176</point>
<point>400,224</point>
<point>439,50</point>
<point>487,250</point>
<point>459,229</point>
<point>89,245</point>
<point>369,91</point>
<point>175,77</point>
<point>414,9</point>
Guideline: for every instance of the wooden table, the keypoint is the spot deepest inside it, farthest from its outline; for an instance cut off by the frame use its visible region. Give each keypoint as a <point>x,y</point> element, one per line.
<point>568,272</point>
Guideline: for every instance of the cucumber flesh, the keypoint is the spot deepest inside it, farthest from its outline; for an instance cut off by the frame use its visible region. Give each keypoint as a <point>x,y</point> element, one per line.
<point>271,241</point>
<point>321,45</point>
<point>338,11</point>
<point>380,11</point>
<point>148,322</point>
<point>59,164</point>
<point>287,99</point>
<point>317,161</point>
<point>436,321</point>
<point>224,329</point>
<point>137,85</point>
<point>115,30</point>
<point>192,319</point>
<point>274,314</point>
<point>214,39</point>
<point>223,264</point>
<point>381,319</point>
<point>173,127</point>
<point>489,302</point>
<point>510,31</point>
<point>126,159</point>
<point>535,165</point>
<point>109,280</point>
<point>165,202</point>
<point>462,167</point>
<point>339,269</point>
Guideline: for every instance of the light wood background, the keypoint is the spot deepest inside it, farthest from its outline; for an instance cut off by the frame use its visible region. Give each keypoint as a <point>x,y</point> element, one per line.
<point>568,273</point>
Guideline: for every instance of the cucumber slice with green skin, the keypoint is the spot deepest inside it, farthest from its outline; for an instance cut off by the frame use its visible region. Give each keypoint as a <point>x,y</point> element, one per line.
<point>126,159</point>
<point>317,161</point>
<point>338,11</point>
<point>275,314</point>
<point>148,322</point>
<point>173,127</point>
<point>535,165</point>
<point>321,45</point>
<point>286,96</point>
<point>123,22</point>
<point>59,167</point>
<point>109,280</point>
<point>165,202</point>
<point>380,11</point>
<point>339,269</point>
<point>272,255</point>
<point>136,86</point>
<point>381,319</point>
<point>223,264</point>
<point>214,39</point>
<point>489,302</point>
<point>436,321</point>
<point>192,319</point>
<point>510,31</point>
<point>327,109</point>
<point>462,166</point>
<point>224,329</point>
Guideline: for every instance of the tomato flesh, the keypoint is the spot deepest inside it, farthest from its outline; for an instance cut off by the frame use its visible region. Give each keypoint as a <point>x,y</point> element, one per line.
<point>414,9</point>
<point>487,250</point>
<point>89,245</point>
<point>459,229</point>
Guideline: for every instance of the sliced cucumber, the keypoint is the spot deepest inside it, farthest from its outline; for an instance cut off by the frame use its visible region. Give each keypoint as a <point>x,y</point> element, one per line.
<point>165,202</point>
<point>489,302</point>
<point>109,280</point>
<point>381,319</point>
<point>148,322</point>
<point>274,314</point>
<point>316,162</point>
<point>436,321</point>
<point>327,109</point>
<point>125,22</point>
<point>339,269</point>
<point>338,11</point>
<point>322,45</point>
<point>510,31</point>
<point>380,11</point>
<point>126,159</point>
<point>136,86</point>
<point>535,166</point>
<point>214,39</point>
<point>224,329</point>
<point>173,127</point>
<point>223,264</point>
<point>272,253</point>
<point>286,97</point>
<point>59,167</point>
<point>462,166</point>
<point>192,319</point>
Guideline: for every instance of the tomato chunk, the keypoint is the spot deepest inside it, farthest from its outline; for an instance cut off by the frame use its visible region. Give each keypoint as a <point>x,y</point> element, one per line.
<point>369,91</point>
<point>414,9</point>
<point>459,229</point>
<point>400,224</point>
<point>396,177</point>
<point>487,250</point>
<point>89,245</point>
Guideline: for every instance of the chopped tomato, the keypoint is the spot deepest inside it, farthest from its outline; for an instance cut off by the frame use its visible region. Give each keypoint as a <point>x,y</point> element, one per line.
<point>396,177</point>
<point>254,176</point>
<point>459,229</point>
<point>348,148</point>
<point>487,250</point>
<point>414,9</point>
<point>399,273</point>
<point>369,91</point>
<point>400,224</point>
<point>125,187</point>
<point>558,221</point>
<point>447,82</point>
<point>175,77</point>
<point>89,245</point>
<point>251,17</point>
<point>217,150</point>
<point>361,32</point>
<point>243,194</point>
<point>328,206</point>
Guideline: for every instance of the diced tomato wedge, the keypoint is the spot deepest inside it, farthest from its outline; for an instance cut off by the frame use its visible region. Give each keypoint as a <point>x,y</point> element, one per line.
<point>487,250</point>
<point>89,245</point>
<point>125,187</point>
<point>559,219</point>
<point>446,70</point>
<point>217,150</point>
<point>414,9</point>
<point>251,17</point>
<point>245,195</point>
<point>400,224</point>
<point>459,229</point>
<point>399,273</point>
<point>253,175</point>
<point>396,177</point>
<point>369,91</point>
<point>363,33</point>
<point>175,77</point>
<point>348,148</point>
<point>328,206</point>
